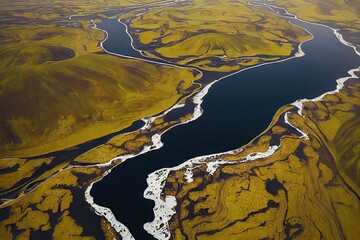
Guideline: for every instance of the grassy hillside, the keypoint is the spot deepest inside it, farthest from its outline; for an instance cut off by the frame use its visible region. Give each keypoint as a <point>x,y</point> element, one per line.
<point>35,10</point>
<point>215,35</point>
<point>58,88</point>
<point>63,103</point>
<point>341,14</point>
<point>34,45</point>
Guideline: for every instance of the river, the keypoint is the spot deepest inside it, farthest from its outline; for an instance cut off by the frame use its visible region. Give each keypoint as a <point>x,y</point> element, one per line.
<point>236,110</point>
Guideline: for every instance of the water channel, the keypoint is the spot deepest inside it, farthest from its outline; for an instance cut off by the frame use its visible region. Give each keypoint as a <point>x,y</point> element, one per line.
<point>236,109</point>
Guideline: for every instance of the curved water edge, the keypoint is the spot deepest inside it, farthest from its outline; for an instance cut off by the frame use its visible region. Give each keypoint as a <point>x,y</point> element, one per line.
<point>335,30</point>
<point>165,205</point>
<point>198,98</point>
<point>156,144</point>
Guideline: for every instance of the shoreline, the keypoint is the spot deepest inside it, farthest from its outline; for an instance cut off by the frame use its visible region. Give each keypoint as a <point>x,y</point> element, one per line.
<point>164,204</point>
<point>338,35</point>
<point>190,103</point>
<point>163,210</point>
<point>197,99</point>
<point>156,180</point>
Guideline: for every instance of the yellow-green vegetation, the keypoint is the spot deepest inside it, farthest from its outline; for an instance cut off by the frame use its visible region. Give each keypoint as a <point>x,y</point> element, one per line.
<point>35,10</point>
<point>123,144</point>
<point>215,35</point>
<point>46,210</point>
<point>336,13</point>
<point>58,88</point>
<point>64,103</point>
<point>19,176</point>
<point>34,45</point>
<point>18,169</point>
<point>129,143</point>
<point>308,189</point>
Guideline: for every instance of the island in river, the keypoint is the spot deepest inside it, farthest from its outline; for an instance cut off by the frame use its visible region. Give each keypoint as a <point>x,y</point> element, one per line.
<point>61,98</point>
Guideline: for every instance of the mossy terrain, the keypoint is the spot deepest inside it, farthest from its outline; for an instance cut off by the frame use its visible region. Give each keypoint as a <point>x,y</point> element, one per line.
<point>21,12</point>
<point>339,14</point>
<point>51,210</point>
<point>59,89</point>
<point>60,104</point>
<point>308,189</point>
<point>52,190</point>
<point>219,36</point>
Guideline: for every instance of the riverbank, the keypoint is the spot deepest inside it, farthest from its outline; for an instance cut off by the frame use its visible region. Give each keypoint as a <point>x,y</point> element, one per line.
<point>197,100</point>
<point>169,188</point>
<point>185,190</point>
<point>340,15</point>
<point>179,150</point>
<point>88,102</point>
<point>89,167</point>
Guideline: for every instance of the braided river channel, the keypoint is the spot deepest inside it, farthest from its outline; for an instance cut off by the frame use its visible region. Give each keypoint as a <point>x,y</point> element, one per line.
<point>235,110</point>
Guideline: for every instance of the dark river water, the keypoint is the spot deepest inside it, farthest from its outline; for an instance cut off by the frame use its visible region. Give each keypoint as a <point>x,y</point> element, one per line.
<point>236,110</point>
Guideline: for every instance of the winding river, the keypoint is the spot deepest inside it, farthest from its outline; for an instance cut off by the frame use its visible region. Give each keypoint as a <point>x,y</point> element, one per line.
<point>236,110</point>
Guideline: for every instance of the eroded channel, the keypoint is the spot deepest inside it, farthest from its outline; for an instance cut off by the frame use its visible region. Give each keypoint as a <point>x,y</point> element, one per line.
<point>236,110</point>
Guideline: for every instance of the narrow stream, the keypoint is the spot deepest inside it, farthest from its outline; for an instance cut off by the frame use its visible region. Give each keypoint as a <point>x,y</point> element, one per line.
<point>236,110</point>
